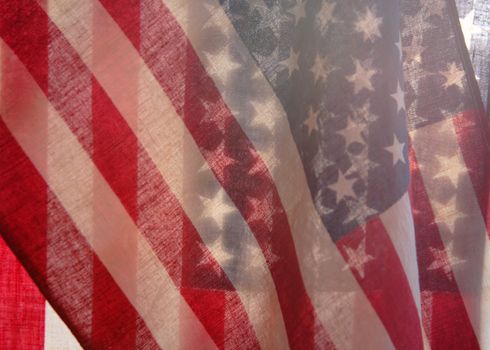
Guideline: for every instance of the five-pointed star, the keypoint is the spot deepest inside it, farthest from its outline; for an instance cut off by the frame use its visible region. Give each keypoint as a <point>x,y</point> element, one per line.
<point>357,258</point>
<point>318,69</point>
<point>469,28</point>
<point>325,15</point>
<point>451,215</point>
<point>221,152</point>
<point>413,53</point>
<point>217,208</point>
<point>352,132</point>
<point>298,11</point>
<point>222,74</point>
<point>361,77</point>
<point>291,62</point>
<point>312,121</point>
<point>444,259</point>
<point>263,210</point>
<point>453,76</point>
<point>399,98</point>
<point>364,113</point>
<point>451,168</point>
<point>368,24</point>
<point>396,149</point>
<point>343,187</point>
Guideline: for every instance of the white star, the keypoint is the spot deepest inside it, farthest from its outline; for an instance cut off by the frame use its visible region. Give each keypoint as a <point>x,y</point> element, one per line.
<point>444,259</point>
<point>361,77</point>
<point>263,210</point>
<point>343,187</point>
<point>451,168</point>
<point>413,53</point>
<point>399,98</point>
<point>453,76</point>
<point>298,11</point>
<point>396,149</point>
<point>318,69</point>
<point>222,156</point>
<point>312,121</point>
<point>217,208</point>
<point>469,28</point>
<point>451,216</point>
<point>291,62</point>
<point>351,133</point>
<point>364,114</point>
<point>221,75</point>
<point>357,258</point>
<point>325,15</point>
<point>368,24</point>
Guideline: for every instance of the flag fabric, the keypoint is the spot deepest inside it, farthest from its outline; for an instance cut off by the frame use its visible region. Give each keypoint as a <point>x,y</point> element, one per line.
<point>475,23</point>
<point>235,174</point>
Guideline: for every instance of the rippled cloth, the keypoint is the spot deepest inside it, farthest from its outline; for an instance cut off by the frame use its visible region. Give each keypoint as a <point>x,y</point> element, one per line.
<point>239,174</point>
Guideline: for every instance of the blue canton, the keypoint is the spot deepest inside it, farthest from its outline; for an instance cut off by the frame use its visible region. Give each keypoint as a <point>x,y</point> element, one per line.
<point>342,90</point>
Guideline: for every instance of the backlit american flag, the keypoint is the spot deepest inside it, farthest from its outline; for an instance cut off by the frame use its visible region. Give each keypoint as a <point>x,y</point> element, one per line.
<point>241,174</point>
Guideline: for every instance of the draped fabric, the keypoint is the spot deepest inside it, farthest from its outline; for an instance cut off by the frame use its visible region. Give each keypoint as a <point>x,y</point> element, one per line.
<point>474,17</point>
<point>235,174</point>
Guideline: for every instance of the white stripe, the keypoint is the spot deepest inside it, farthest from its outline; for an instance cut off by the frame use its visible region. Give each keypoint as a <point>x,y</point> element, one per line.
<point>57,336</point>
<point>467,240</point>
<point>164,136</point>
<point>320,261</point>
<point>24,111</point>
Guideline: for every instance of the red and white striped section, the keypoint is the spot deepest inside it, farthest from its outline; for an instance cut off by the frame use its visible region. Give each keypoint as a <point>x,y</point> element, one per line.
<point>158,135</point>
<point>27,320</point>
<point>459,253</point>
<point>440,296</point>
<point>23,111</point>
<point>220,140</point>
<point>106,73</point>
<point>111,147</point>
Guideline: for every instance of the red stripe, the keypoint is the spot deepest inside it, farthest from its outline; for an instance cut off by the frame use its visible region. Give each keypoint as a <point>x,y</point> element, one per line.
<point>385,283</point>
<point>444,315</point>
<point>21,304</point>
<point>472,130</point>
<point>170,233</point>
<point>238,167</point>
<point>22,207</point>
<point>159,214</point>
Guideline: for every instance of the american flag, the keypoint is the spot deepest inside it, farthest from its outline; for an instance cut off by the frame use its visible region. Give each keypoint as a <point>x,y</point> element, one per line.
<point>235,174</point>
